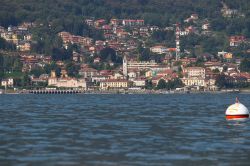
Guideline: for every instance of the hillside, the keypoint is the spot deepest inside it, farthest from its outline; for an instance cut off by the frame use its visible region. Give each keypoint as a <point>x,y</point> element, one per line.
<point>158,12</point>
<point>87,37</point>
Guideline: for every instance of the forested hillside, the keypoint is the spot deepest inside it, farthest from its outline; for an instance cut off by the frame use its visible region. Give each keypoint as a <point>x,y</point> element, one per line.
<point>158,12</point>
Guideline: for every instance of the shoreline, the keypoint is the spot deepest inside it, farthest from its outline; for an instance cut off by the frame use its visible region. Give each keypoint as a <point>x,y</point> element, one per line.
<point>140,92</point>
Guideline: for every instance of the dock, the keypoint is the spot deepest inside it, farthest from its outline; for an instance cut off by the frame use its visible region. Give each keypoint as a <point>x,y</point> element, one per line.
<point>53,91</point>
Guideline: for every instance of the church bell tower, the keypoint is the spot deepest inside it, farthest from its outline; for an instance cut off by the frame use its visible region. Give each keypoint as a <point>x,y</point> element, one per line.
<point>125,66</point>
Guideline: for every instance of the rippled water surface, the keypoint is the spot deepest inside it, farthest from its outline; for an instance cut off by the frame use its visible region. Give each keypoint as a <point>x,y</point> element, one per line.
<point>153,130</point>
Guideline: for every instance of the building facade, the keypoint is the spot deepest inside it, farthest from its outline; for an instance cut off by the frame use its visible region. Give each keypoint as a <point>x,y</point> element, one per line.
<point>9,82</point>
<point>65,81</point>
<point>194,72</point>
<point>194,81</point>
<point>159,49</point>
<point>114,84</point>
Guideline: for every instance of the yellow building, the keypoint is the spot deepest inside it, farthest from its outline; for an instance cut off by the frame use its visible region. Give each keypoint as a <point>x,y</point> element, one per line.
<point>228,56</point>
<point>65,81</point>
<point>15,38</point>
<point>10,37</point>
<point>114,84</point>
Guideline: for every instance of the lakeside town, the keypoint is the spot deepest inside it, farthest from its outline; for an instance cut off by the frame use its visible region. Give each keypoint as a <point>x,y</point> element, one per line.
<point>126,59</point>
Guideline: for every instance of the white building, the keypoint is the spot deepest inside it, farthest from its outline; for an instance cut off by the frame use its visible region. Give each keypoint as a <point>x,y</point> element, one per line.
<point>194,72</point>
<point>130,22</point>
<point>159,49</point>
<point>194,81</point>
<point>140,65</point>
<point>139,82</point>
<point>9,82</point>
<point>194,76</point>
<point>114,84</point>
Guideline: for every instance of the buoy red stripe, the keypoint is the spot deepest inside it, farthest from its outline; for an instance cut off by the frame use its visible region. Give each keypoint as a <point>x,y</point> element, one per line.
<point>237,116</point>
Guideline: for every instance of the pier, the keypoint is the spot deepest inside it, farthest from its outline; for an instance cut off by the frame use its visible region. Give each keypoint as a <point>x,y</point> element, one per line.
<point>54,91</point>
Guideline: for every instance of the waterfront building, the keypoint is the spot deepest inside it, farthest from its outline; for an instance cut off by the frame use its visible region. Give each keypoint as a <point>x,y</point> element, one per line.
<point>194,76</point>
<point>66,81</point>
<point>9,82</point>
<point>194,81</point>
<point>139,82</point>
<point>114,84</point>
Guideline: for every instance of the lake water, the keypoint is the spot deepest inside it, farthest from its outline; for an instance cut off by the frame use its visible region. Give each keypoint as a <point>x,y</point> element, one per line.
<point>176,129</point>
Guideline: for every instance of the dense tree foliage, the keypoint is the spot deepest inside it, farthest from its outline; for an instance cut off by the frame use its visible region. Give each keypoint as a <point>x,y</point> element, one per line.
<point>4,45</point>
<point>1,66</point>
<point>157,12</point>
<point>211,44</point>
<point>109,55</point>
<point>223,81</point>
<point>10,63</point>
<point>72,69</point>
<point>245,65</point>
<point>161,84</point>
<point>171,84</point>
<point>167,37</point>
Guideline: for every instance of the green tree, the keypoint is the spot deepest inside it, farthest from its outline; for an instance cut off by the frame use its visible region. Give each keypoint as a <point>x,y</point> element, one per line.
<point>37,71</point>
<point>6,45</point>
<point>149,84</point>
<point>216,70</point>
<point>109,54</point>
<point>140,48</point>
<point>175,83</point>
<point>161,84</point>
<point>245,65</point>
<point>17,66</point>
<point>221,81</point>
<point>1,67</point>
<point>25,80</point>
<point>52,66</point>
<point>145,55</point>
<point>72,69</point>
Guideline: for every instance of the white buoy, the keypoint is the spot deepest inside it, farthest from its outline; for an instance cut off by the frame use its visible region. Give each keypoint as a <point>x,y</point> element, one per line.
<point>237,111</point>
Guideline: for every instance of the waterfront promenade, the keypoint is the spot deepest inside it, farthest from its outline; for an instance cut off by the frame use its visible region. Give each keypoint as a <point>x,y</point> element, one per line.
<point>142,91</point>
